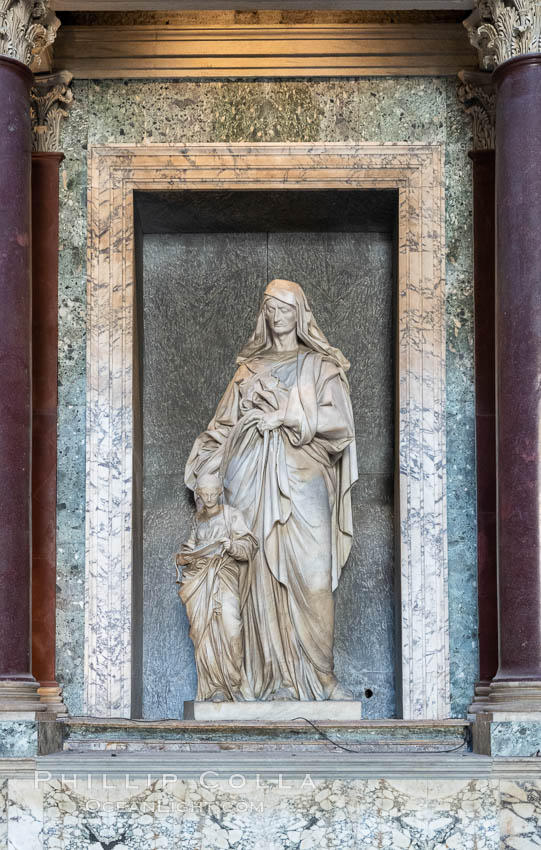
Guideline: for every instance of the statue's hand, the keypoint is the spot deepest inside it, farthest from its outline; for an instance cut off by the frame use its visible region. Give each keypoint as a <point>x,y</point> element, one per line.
<point>234,550</point>
<point>180,560</point>
<point>270,421</point>
<point>253,416</point>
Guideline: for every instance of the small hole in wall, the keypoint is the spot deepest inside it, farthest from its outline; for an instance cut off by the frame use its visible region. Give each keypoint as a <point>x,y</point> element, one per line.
<point>369,693</point>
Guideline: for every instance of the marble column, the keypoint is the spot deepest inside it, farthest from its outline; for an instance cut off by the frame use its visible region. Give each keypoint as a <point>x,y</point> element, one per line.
<point>485,418</point>
<point>51,99</point>
<point>25,29</point>
<point>479,99</point>
<point>15,382</point>
<point>509,40</point>
<point>518,353</point>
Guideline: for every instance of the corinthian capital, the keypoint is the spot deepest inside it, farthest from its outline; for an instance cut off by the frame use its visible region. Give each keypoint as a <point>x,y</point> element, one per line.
<point>501,29</point>
<point>51,99</point>
<point>27,27</point>
<point>478,97</point>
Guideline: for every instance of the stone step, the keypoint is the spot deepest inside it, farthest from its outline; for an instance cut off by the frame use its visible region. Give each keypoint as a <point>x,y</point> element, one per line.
<point>140,736</point>
<point>300,746</point>
<point>273,765</point>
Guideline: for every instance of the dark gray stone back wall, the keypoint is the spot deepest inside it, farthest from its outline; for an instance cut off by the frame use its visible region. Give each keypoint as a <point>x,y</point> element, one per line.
<point>201,293</point>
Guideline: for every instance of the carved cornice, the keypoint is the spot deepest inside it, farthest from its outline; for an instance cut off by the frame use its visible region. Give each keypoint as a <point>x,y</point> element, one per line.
<point>478,97</point>
<point>299,50</point>
<point>27,27</point>
<point>501,29</point>
<point>51,99</point>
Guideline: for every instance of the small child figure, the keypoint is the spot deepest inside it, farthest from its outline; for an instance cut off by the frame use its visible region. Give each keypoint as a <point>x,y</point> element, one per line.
<point>214,585</point>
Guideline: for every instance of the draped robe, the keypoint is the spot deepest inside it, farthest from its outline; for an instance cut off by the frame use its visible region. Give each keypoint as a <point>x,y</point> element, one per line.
<point>292,485</point>
<point>213,588</point>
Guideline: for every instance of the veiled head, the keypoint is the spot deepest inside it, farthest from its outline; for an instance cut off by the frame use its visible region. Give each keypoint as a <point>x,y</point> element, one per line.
<point>285,291</point>
<point>280,299</point>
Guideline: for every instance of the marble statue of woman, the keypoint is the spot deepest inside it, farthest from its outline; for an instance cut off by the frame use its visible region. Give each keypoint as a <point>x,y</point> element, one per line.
<point>214,585</point>
<point>283,441</point>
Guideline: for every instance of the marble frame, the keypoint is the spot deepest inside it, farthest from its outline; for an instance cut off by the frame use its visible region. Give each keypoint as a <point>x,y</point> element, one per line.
<point>416,171</point>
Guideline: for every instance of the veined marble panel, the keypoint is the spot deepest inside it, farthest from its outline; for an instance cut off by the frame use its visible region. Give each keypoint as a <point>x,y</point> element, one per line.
<point>282,813</point>
<point>24,815</point>
<point>416,170</point>
<point>520,815</point>
<point>18,738</point>
<point>3,813</point>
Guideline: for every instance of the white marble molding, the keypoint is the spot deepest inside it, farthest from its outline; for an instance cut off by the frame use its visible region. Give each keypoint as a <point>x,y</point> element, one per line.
<point>416,171</point>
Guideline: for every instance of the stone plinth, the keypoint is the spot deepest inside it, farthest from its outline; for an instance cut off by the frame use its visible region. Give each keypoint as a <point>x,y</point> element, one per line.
<point>507,734</point>
<point>91,734</point>
<point>274,710</point>
<point>27,734</point>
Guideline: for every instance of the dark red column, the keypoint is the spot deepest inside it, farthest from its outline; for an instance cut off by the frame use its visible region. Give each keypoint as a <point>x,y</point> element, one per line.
<point>518,368</point>
<point>45,170</point>
<point>485,417</point>
<point>15,380</point>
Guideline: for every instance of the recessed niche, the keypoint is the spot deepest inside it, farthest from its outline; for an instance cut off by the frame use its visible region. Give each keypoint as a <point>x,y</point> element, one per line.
<point>203,260</point>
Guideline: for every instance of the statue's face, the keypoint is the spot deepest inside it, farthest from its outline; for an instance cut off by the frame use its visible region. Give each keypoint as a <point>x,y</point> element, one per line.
<point>281,318</point>
<point>210,496</point>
